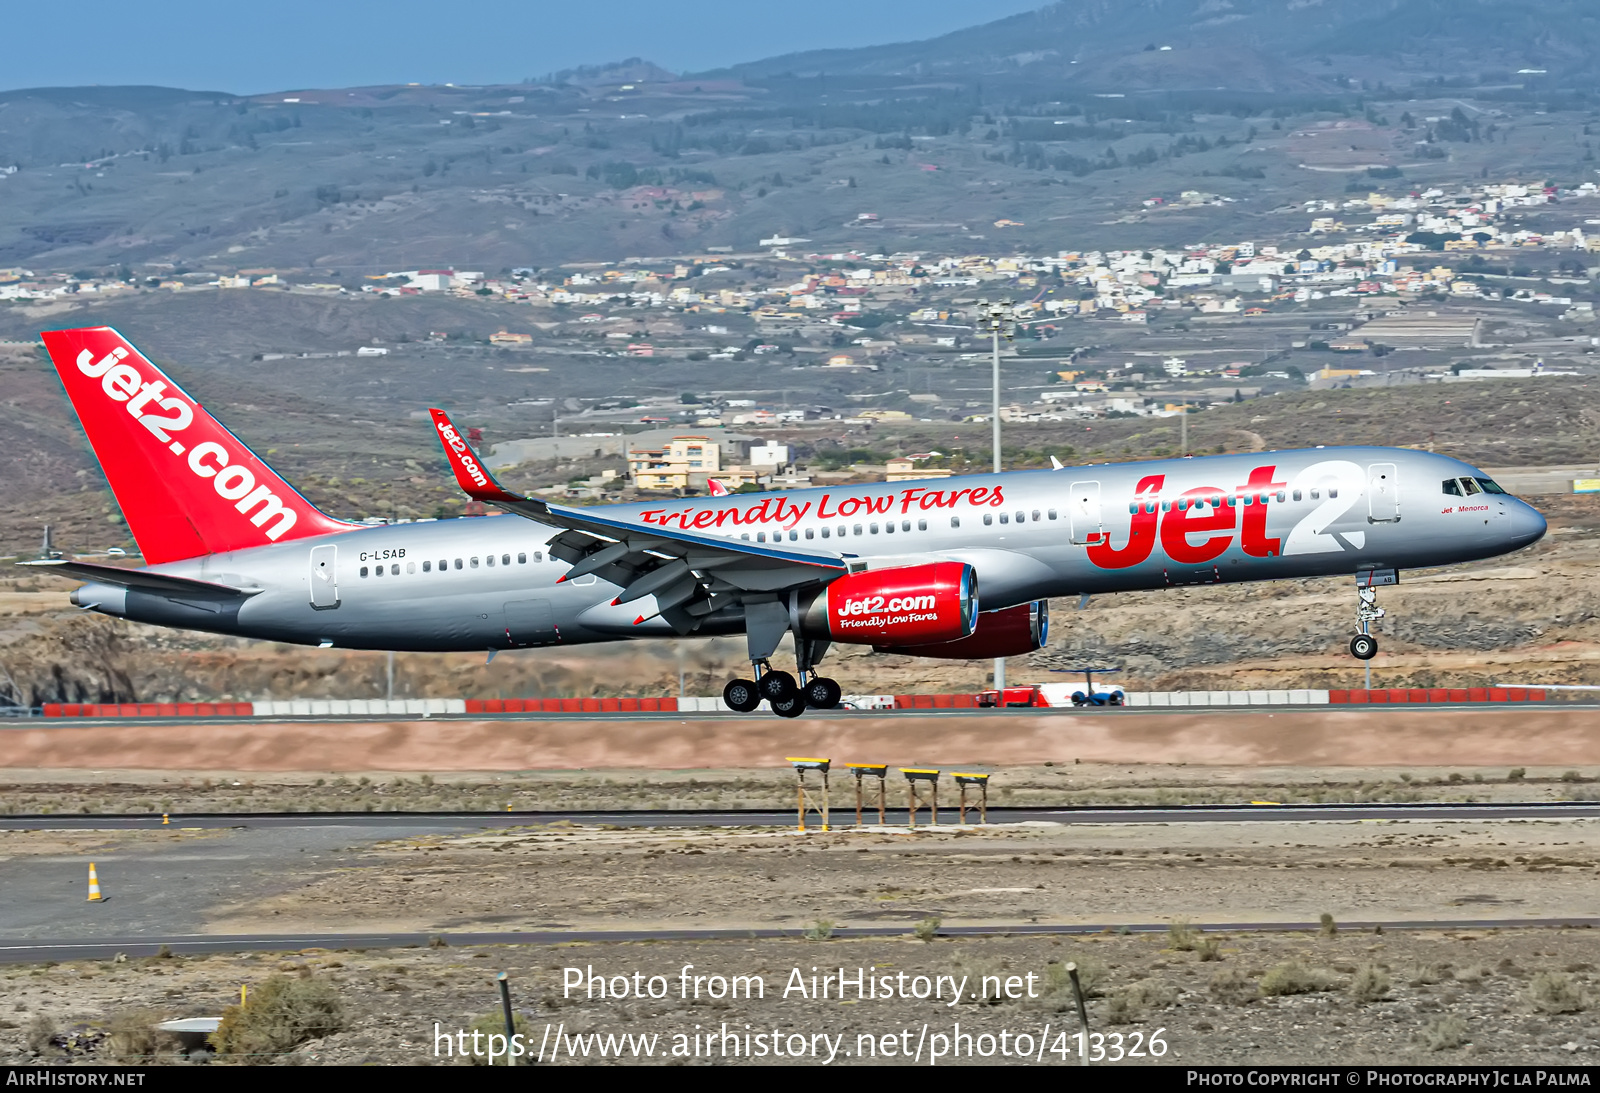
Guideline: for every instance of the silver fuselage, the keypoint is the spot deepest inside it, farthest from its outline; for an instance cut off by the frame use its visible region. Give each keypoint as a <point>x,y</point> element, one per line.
<point>490,583</point>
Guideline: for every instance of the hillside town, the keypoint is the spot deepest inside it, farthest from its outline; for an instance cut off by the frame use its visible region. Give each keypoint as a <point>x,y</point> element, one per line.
<point>1432,285</point>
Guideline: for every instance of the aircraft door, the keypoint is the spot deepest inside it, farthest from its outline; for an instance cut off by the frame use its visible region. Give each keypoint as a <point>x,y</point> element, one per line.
<point>324,577</point>
<point>530,622</point>
<point>1383,493</point>
<point>1083,512</point>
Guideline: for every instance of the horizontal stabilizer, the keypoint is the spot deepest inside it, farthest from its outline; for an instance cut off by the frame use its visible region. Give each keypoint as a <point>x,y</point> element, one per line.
<point>135,578</point>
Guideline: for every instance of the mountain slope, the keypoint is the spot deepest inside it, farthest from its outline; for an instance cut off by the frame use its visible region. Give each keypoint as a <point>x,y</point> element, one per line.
<point>1465,35</point>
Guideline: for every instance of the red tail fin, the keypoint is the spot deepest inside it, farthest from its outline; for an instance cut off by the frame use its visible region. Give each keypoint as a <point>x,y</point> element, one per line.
<point>186,484</point>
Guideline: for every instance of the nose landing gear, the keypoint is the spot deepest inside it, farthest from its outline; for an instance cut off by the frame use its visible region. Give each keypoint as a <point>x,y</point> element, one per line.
<point>1364,646</point>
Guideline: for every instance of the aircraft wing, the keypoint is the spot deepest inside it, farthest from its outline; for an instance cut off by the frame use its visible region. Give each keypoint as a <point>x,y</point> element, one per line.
<point>689,574</point>
<point>135,578</point>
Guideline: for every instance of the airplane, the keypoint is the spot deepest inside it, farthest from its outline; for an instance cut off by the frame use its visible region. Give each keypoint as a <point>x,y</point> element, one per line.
<point>232,548</point>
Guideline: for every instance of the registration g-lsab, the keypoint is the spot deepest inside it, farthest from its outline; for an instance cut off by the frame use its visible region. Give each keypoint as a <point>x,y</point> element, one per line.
<point>956,568</point>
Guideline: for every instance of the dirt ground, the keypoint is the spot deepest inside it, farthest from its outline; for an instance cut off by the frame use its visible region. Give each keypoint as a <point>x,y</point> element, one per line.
<point>1482,995</point>
<point>1481,739</point>
<point>44,791</point>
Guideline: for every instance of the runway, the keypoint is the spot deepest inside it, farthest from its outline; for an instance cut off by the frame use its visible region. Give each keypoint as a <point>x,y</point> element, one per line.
<point>33,952</point>
<point>843,816</point>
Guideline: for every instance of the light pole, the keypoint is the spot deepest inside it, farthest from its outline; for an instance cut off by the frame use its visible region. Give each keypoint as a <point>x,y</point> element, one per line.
<point>999,319</point>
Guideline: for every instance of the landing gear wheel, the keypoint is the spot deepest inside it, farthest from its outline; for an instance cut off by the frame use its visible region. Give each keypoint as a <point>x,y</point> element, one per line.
<point>777,686</point>
<point>821,693</point>
<point>793,706</point>
<point>1363,646</point>
<point>741,695</point>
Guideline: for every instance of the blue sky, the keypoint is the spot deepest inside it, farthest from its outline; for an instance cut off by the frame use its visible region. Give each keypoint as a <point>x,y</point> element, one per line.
<point>218,45</point>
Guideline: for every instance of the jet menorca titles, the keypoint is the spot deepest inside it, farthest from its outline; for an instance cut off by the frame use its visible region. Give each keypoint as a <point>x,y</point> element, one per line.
<point>958,567</point>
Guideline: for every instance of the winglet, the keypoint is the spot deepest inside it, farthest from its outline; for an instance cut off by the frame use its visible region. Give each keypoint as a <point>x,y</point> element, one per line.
<point>471,475</point>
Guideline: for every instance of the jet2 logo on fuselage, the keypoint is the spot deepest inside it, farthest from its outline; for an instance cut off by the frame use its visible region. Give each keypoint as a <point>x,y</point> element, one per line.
<point>1199,525</point>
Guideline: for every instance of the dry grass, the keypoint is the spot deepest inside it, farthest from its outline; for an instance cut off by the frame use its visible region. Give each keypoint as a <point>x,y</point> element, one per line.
<point>1444,1033</point>
<point>134,1037</point>
<point>1370,984</point>
<point>1292,977</point>
<point>1232,987</point>
<point>278,1016</point>
<point>1555,992</point>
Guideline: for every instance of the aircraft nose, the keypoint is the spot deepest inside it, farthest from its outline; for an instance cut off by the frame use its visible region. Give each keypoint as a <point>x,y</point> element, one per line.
<point>1527,524</point>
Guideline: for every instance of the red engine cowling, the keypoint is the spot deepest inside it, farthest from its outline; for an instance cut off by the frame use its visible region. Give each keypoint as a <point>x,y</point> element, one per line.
<point>908,605</point>
<point>1008,633</point>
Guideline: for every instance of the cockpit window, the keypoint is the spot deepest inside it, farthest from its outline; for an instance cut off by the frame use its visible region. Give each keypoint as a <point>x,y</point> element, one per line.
<point>1470,486</point>
<point>1488,486</point>
<point>1452,487</point>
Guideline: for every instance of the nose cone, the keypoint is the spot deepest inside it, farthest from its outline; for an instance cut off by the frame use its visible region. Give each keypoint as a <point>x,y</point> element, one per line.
<point>1526,525</point>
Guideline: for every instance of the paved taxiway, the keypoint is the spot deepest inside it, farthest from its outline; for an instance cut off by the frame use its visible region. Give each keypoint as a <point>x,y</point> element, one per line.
<point>418,823</point>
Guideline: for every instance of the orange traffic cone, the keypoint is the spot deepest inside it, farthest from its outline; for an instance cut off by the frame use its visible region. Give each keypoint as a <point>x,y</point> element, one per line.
<point>94,885</point>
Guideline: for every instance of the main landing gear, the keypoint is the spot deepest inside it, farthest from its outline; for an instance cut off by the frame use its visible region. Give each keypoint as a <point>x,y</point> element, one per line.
<point>781,691</point>
<point>1364,646</point>
<point>766,621</point>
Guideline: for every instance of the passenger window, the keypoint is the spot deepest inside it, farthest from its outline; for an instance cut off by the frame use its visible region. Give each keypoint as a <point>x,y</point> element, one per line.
<point>1452,488</point>
<point>411,567</point>
<point>1470,487</point>
<point>474,563</point>
<point>922,525</point>
<point>1297,495</point>
<point>874,528</point>
<point>905,525</point>
<point>761,536</point>
<point>745,536</point>
<point>888,527</point>
<point>825,533</point>
<point>363,571</point>
<point>1282,496</point>
<point>1166,506</point>
<point>490,559</point>
<point>810,533</point>
<point>1333,491</point>
<point>522,559</point>
<point>1035,515</point>
<point>538,555</point>
<point>394,570</point>
<point>1052,512</point>
<point>505,559</point>
<point>843,529</point>
<point>955,521</point>
<point>427,567</point>
<point>458,563</point>
<point>988,518</point>
<point>794,536</point>
<point>1005,518</point>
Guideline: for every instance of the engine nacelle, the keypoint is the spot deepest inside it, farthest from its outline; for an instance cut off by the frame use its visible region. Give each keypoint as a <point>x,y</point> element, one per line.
<point>907,605</point>
<point>1007,633</point>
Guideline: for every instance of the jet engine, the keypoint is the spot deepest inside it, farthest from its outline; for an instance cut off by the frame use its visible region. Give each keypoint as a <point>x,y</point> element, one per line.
<point>1007,633</point>
<point>907,605</point>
